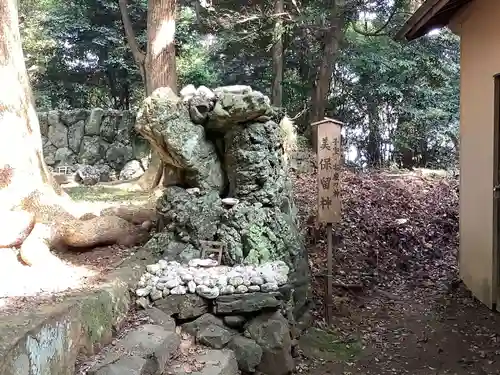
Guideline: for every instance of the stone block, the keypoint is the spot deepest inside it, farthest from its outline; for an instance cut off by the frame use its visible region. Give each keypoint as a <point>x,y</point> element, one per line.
<point>215,362</point>
<point>185,306</point>
<point>248,353</point>
<point>214,336</point>
<point>246,303</point>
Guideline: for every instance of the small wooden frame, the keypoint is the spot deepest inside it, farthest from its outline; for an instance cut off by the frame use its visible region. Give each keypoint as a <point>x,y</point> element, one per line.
<point>63,169</point>
<point>210,247</point>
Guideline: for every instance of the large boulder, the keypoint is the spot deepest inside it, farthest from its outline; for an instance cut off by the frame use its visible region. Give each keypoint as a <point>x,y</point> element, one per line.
<point>164,120</point>
<point>237,105</point>
<point>229,134</point>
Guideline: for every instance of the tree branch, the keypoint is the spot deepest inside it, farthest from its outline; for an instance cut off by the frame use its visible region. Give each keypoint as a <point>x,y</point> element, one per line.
<point>378,32</point>
<point>139,55</point>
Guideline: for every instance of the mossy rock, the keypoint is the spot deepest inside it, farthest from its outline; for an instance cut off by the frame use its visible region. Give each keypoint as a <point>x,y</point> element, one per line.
<point>324,345</point>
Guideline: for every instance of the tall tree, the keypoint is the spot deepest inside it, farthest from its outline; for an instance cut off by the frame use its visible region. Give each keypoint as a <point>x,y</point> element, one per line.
<point>277,55</point>
<point>35,212</point>
<point>331,46</point>
<point>158,68</point>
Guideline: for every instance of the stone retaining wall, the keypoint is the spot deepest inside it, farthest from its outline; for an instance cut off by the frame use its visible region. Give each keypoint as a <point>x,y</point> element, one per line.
<point>94,137</point>
<point>107,139</point>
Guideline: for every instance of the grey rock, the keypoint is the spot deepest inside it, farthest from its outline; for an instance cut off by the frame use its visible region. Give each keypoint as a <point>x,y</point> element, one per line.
<point>200,106</point>
<point>125,365</point>
<point>180,289</point>
<point>43,120</point>
<point>185,306</point>
<point>202,322</point>
<point>142,303</point>
<point>216,362</point>
<point>207,292</point>
<point>49,153</point>
<point>117,155</point>
<point>234,321</point>
<point>164,243</point>
<point>236,108</point>
<point>72,116</point>
<point>76,132</point>
<point>132,169</point>
<point>165,118</point>
<point>64,156</point>
<point>91,175</point>
<point>93,125</point>
<point>153,343</point>
<point>156,294</point>
<point>205,92</point>
<point>53,117</point>
<point>244,303</point>
<point>90,150</point>
<point>108,126</point>
<point>195,215</point>
<point>233,89</point>
<point>214,336</point>
<point>160,318</point>
<point>272,334</point>
<point>269,287</point>
<point>188,90</point>
<point>58,135</point>
<point>248,353</point>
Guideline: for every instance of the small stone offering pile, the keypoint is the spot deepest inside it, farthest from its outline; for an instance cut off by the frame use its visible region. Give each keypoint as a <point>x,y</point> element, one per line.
<point>208,280</point>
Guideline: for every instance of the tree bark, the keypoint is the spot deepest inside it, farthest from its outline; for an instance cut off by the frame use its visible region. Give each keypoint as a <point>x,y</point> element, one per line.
<point>331,44</point>
<point>277,53</point>
<point>35,213</point>
<point>158,67</point>
<point>160,56</point>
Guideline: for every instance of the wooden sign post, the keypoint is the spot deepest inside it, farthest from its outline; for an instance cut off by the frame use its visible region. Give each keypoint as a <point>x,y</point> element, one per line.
<point>329,204</point>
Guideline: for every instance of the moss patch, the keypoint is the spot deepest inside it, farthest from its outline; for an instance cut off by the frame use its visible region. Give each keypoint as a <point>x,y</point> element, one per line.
<point>320,344</point>
<point>101,313</point>
<point>105,194</point>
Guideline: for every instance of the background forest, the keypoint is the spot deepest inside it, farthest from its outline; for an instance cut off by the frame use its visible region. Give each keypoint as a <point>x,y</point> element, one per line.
<point>399,101</point>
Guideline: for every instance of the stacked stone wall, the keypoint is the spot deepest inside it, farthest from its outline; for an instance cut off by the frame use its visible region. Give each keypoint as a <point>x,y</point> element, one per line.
<point>94,137</point>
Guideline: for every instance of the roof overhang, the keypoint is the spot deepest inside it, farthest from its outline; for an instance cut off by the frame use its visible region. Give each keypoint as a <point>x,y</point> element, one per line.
<point>432,14</point>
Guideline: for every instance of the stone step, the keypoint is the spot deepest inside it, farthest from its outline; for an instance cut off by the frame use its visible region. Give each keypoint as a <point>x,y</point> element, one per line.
<point>208,362</point>
<point>144,351</point>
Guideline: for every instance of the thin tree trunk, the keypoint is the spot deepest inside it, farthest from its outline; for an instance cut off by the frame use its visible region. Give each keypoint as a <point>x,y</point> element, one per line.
<point>35,214</point>
<point>139,55</point>
<point>331,45</point>
<point>277,53</point>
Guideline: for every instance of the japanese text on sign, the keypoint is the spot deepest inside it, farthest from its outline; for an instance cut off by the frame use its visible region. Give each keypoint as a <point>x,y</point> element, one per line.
<point>329,168</point>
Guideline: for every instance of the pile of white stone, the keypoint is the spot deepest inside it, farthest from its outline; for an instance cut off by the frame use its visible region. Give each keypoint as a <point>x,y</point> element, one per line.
<point>209,281</point>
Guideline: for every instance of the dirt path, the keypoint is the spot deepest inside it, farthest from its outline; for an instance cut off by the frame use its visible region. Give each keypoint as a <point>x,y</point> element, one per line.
<point>428,330</point>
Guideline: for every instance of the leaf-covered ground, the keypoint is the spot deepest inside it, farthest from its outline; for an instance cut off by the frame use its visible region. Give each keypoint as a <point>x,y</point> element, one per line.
<point>398,299</point>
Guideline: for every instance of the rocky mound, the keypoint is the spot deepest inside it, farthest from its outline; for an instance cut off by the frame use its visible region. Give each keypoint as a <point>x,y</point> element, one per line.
<point>225,150</point>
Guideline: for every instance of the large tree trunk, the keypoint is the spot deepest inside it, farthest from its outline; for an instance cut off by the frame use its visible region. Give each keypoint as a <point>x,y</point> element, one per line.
<point>160,72</point>
<point>277,53</point>
<point>160,56</point>
<point>331,44</point>
<point>35,214</point>
<point>158,68</point>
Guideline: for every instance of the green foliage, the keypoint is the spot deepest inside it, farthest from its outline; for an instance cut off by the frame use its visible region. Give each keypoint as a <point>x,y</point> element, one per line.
<point>393,97</point>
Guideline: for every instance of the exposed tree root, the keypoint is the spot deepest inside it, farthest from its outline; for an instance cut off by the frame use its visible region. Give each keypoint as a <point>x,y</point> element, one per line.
<point>15,227</point>
<point>135,215</point>
<point>45,221</point>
